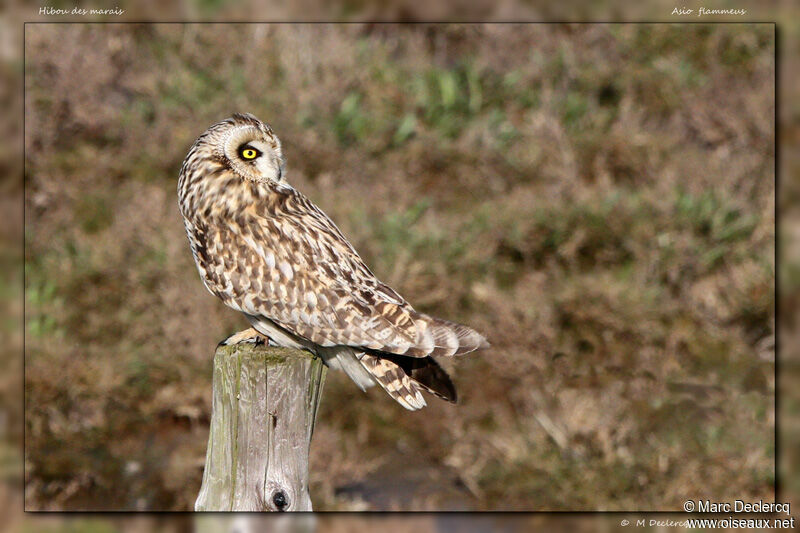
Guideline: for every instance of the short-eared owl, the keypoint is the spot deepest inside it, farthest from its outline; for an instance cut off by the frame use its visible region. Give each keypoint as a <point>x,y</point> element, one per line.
<point>267,251</point>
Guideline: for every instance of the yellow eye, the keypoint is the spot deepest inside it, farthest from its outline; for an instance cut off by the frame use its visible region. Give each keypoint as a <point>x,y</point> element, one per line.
<point>249,153</point>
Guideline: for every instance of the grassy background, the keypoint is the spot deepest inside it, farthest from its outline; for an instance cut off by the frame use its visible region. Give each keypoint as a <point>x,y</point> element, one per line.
<point>598,199</point>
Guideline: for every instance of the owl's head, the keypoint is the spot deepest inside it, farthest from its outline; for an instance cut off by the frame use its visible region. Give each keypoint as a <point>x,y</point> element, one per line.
<point>246,146</point>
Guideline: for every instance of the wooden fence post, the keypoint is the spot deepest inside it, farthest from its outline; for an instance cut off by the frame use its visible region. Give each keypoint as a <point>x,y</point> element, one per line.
<point>264,404</point>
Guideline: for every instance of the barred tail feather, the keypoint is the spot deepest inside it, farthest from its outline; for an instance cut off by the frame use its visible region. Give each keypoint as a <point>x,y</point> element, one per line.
<point>426,373</point>
<point>404,377</point>
<point>394,381</point>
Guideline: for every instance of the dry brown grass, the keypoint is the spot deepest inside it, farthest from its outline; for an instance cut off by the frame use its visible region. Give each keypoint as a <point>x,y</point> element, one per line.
<point>598,199</point>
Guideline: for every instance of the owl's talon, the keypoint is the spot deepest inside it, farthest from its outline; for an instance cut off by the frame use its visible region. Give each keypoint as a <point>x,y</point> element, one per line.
<point>248,336</point>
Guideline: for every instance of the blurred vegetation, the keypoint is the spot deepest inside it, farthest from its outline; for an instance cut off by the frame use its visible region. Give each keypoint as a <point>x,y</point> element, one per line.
<point>598,199</point>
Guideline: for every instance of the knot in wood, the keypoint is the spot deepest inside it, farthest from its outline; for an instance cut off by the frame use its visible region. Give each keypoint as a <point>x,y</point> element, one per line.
<point>280,500</point>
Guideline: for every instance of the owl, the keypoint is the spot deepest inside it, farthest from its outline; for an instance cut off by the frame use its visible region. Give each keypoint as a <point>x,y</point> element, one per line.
<point>267,251</point>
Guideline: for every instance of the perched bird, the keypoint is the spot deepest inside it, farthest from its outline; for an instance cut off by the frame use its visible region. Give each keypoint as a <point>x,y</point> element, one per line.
<point>264,249</point>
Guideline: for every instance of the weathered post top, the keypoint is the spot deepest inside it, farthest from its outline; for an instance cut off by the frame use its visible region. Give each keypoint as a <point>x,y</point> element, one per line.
<point>264,405</point>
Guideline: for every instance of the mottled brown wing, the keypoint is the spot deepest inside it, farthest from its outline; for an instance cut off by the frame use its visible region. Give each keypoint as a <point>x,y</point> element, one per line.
<point>294,267</point>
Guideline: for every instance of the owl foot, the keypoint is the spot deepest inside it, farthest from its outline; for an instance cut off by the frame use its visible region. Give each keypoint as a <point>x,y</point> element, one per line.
<point>249,335</point>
